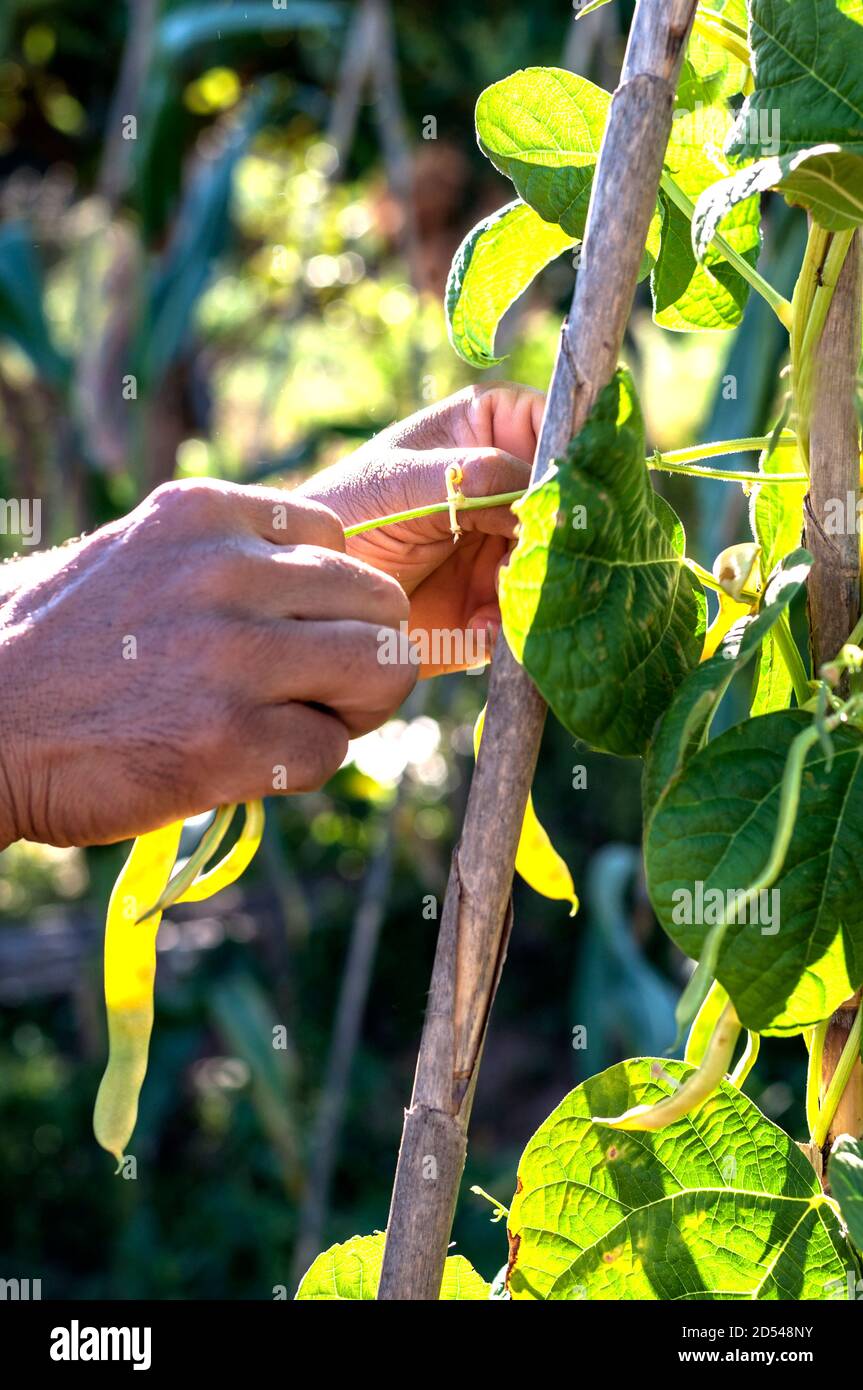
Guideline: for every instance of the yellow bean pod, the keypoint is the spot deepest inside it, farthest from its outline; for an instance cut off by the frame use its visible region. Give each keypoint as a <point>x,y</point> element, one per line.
<point>695,1090</point>
<point>234,863</point>
<point>730,610</point>
<point>185,877</point>
<point>130,972</point>
<point>536,859</point>
<point>130,952</point>
<point>704,1024</point>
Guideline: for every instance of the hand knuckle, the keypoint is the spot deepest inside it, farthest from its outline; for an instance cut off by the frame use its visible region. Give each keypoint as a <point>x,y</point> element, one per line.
<point>189,502</point>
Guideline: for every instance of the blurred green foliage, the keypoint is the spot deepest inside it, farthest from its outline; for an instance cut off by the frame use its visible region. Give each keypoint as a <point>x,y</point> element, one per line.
<point>259,300</point>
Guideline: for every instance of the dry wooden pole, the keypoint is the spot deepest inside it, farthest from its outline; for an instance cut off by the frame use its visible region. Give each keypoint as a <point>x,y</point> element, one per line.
<point>834,468</point>
<point>834,584</point>
<point>476,913</point>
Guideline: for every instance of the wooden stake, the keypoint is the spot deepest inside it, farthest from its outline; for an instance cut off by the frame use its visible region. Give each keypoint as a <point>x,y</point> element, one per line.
<point>476,915</point>
<point>834,583</point>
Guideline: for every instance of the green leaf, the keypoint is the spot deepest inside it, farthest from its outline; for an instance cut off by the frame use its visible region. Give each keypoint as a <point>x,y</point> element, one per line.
<point>353,1270</point>
<point>846,1183</point>
<point>686,723</point>
<point>719,1205</point>
<point>714,827</point>
<point>808,66</point>
<point>596,602</point>
<point>22,314</point>
<point>542,127</point>
<point>803,124</point>
<point>776,517</point>
<point>710,294</point>
<point>826,180</point>
<point>710,72</point>
<point>776,513</point>
<point>495,263</point>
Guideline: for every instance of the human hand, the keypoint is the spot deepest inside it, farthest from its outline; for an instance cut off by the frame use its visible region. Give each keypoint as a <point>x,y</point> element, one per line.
<point>175,659</point>
<point>490,433</point>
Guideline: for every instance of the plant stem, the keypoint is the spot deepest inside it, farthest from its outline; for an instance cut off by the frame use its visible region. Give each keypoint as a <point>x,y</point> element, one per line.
<point>726,35</point>
<point>793,660</point>
<point>678,460</point>
<point>674,462</point>
<point>709,581</point>
<point>838,1082</point>
<point>465,504</point>
<point>499,1209</point>
<point>778,303</point>
<point>715,17</point>
<point>787,646</point>
<point>855,635</point>
<point>813,294</point>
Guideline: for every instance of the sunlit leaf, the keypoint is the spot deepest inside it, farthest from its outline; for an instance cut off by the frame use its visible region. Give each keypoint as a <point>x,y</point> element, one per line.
<point>352,1271</point>
<point>719,1205</point>
<point>495,263</point>
<point>712,833</point>
<point>596,602</point>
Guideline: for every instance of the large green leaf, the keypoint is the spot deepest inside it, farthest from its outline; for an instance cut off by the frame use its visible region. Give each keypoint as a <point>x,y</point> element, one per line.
<point>352,1271</point>
<point>807,58</point>
<point>805,115</point>
<point>719,1205</point>
<point>846,1183</point>
<point>684,727</point>
<point>542,127</point>
<point>712,294</point>
<point>596,601</point>
<point>495,263</point>
<point>715,826</point>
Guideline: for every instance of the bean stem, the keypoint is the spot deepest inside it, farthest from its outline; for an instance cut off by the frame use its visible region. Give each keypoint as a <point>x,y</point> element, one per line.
<point>726,35</point>
<point>677,461</point>
<point>793,660</point>
<point>778,303</point>
<point>838,1082</point>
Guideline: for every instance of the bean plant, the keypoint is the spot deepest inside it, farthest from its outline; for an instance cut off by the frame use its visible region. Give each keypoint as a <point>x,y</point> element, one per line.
<point>659,1178</point>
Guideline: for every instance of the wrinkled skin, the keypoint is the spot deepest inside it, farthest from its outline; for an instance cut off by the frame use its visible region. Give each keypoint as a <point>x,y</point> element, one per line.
<point>179,658</point>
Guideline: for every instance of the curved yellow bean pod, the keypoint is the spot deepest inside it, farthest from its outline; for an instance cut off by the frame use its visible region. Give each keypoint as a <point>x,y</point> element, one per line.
<point>130,972</point>
<point>748,1058</point>
<point>704,1024</point>
<point>130,952</point>
<point>815,1043</point>
<point>185,877</point>
<point>235,862</point>
<point>730,610</point>
<point>695,1090</point>
<point>536,859</point>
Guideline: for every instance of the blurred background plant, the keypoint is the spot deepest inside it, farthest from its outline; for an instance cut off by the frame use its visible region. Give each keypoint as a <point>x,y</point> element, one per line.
<point>225,230</point>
